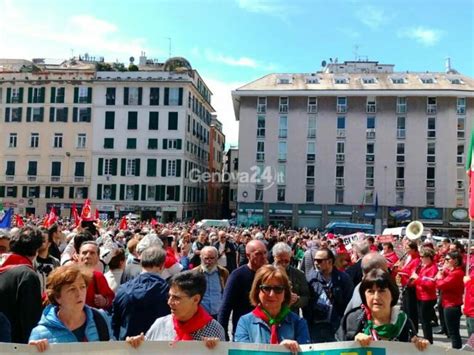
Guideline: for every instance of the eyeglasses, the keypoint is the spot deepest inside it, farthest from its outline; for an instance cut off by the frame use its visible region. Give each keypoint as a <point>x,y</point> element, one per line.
<point>319,261</point>
<point>276,289</point>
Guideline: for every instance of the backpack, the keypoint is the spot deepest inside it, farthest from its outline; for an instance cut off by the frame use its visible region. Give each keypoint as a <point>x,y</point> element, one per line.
<point>101,325</point>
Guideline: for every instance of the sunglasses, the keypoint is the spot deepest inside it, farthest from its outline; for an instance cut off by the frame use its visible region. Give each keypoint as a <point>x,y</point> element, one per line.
<point>319,261</point>
<point>276,289</point>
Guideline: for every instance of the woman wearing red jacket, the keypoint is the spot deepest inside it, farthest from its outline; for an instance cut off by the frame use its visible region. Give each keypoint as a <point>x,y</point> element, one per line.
<point>449,281</point>
<point>469,303</point>
<point>425,284</point>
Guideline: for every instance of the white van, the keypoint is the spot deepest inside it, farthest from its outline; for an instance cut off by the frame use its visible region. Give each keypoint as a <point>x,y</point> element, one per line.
<point>401,231</point>
<point>217,223</point>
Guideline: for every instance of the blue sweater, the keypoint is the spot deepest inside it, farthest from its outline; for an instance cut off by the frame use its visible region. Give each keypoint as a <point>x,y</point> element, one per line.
<point>252,329</point>
<point>50,327</point>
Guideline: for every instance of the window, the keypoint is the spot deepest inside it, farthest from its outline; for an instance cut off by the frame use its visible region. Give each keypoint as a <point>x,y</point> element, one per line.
<point>110,120</point>
<point>312,127</point>
<point>340,80</point>
<point>34,140</point>
<point>171,168</point>
<point>431,127</point>
<point>259,193</point>
<point>175,96</point>
<point>169,144</point>
<point>81,140</point>
<point>400,127</point>
<point>81,114</point>
<point>401,105</point>
<point>10,171</point>
<point>460,199</point>
<point>58,140</point>
<point>281,194</point>
<point>431,152</point>
<point>370,153</point>
<point>399,197</point>
<point>341,127</point>
<point>108,192</point>
<point>34,114</point>
<point>83,95</point>
<point>260,151</point>
<point>132,120</point>
<point>369,197</point>
<point>281,173</point>
<point>312,104</point>
<point>283,127</point>
<point>461,126</point>
<point>340,151</point>
<point>456,81</point>
<point>36,95</point>
<point>310,172</point>
<point>371,106</point>
<point>368,80</point>
<point>341,106</point>
<point>370,132</point>
<point>430,198</point>
<point>369,176</point>
<point>130,192</point>
<point>107,167</point>
<point>57,95</point>
<point>339,175</point>
<point>172,121</point>
<point>11,191</point>
<point>400,177</point>
<point>283,105</point>
<point>460,154</point>
<point>151,192</point>
<point>14,95</point>
<point>154,96</point>
<point>55,170</point>
<point>13,114</point>
<point>430,177</point>
<point>79,169</point>
<point>397,80</point>
<point>131,168</point>
<point>460,178</point>
<point>110,96</point>
<point>400,152</point>
<point>33,191</point>
<point>152,143</point>
<point>108,143</point>
<point>260,126</point>
<point>132,96</point>
<point>282,150</point>
<point>311,151</point>
<point>261,105</point>
<point>431,106</point>
<point>309,195</point>
<point>427,80</point>
<point>131,143</point>
<point>151,165</point>
<point>153,121</point>
<point>461,105</point>
<point>58,114</point>
<point>12,140</point>
<point>339,196</point>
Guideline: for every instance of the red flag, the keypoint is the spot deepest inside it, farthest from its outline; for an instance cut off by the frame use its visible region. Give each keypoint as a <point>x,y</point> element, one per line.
<point>86,211</point>
<point>75,215</point>
<point>153,222</point>
<point>470,173</point>
<point>19,221</point>
<point>51,218</point>
<point>123,223</point>
<point>96,214</point>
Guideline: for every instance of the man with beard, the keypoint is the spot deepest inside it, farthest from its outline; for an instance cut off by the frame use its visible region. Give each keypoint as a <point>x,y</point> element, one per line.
<point>216,279</point>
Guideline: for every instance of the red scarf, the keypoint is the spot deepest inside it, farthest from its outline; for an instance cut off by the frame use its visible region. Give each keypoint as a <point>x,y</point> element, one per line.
<point>184,329</point>
<point>13,260</point>
<point>259,312</point>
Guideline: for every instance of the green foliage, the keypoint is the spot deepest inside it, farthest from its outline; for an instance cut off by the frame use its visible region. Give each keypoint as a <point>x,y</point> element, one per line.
<point>103,67</point>
<point>132,67</point>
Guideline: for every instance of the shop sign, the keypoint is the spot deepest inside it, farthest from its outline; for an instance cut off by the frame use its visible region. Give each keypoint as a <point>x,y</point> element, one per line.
<point>400,213</point>
<point>430,213</point>
<point>459,214</point>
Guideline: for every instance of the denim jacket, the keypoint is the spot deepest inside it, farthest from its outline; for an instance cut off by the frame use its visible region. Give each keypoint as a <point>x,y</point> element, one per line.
<point>252,329</point>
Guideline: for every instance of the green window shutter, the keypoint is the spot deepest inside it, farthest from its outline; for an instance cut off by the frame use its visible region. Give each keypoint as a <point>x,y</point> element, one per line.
<point>101,166</point>
<point>21,95</point>
<point>178,167</point>
<point>180,98</point>
<point>71,192</point>
<point>14,191</point>
<point>53,95</point>
<point>131,143</point>
<point>167,96</point>
<point>89,114</point>
<point>89,95</point>
<point>41,114</point>
<point>28,114</point>
<point>163,167</point>
<point>153,121</point>
<point>24,191</point>
<point>113,192</point>
<point>76,95</point>
<point>172,121</point>
<point>161,192</point>
<point>109,120</point>
<point>123,167</point>
<point>143,195</point>
<point>136,192</point>
<point>140,95</point>
<point>51,114</point>
<point>179,144</point>
<point>48,192</point>
<point>125,96</point>
<point>30,95</point>
<point>42,94</point>
<point>137,167</point>
<point>132,120</point>
<point>113,166</point>
<point>165,144</point>
<point>176,193</point>
<point>2,191</point>
<point>9,94</point>
<point>151,167</point>
<point>122,192</point>
<point>99,191</point>
<point>7,114</point>
<point>74,114</point>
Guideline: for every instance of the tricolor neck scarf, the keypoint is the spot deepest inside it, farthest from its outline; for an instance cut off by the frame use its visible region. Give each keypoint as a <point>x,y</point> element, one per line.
<point>13,260</point>
<point>262,313</point>
<point>386,331</point>
<point>184,329</point>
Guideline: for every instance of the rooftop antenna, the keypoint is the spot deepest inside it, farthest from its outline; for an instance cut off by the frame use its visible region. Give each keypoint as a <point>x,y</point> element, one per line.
<point>356,51</point>
<point>72,53</point>
<point>169,47</point>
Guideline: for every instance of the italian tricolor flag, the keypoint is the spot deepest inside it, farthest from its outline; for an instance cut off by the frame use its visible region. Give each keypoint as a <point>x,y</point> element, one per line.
<point>470,174</point>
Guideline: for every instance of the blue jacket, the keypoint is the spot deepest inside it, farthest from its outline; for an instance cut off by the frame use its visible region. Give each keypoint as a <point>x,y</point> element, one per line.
<point>252,329</point>
<point>138,303</point>
<point>50,327</point>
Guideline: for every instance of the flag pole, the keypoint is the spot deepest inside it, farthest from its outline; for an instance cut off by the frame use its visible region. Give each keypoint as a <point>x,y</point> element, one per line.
<point>468,261</point>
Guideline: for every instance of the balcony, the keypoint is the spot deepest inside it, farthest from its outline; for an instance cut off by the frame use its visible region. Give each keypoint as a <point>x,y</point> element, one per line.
<point>371,108</point>
<point>341,108</point>
<point>401,133</point>
<point>340,158</point>
<point>261,108</point>
<point>369,182</point>
<point>430,184</point>
<point>461,110</point>
<point>341,133</point>
<point>400,183</point>
<point>310,181</point>
<point>283,108</point>
<point>312,108</point>
<point>401,108</point>
<point>339,182</point>
<point>370,133</point>
<point>431,108</point>
<point>369,158</point>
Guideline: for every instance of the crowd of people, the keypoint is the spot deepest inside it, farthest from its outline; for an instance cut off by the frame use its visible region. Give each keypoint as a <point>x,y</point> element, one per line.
<point>177,282</point>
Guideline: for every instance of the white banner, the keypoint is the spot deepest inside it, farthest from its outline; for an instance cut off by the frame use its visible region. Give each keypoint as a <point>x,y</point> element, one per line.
<point>198,348</point>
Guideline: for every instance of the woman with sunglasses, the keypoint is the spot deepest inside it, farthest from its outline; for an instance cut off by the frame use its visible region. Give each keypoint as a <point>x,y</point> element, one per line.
<point>272,322</point>
<point>449,281</point>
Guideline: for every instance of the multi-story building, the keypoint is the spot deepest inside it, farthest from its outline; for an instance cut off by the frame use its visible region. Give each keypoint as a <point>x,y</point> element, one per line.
<point>125,139</point>
<point>216,163</point>
<point>230,174</point>
<point>357,142</point>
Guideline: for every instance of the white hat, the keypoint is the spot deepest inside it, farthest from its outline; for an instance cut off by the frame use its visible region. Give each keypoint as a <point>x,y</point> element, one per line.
<point>147,241</point>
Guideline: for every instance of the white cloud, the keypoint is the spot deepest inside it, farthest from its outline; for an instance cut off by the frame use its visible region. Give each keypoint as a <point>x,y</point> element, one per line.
<point>276,8</point>
<point>222,103</point>
<point>372,17</point>
<point>426,36</point>
<point>246,62</point>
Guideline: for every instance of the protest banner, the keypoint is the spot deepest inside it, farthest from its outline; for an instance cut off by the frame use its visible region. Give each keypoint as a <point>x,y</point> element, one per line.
<point>198,348</point>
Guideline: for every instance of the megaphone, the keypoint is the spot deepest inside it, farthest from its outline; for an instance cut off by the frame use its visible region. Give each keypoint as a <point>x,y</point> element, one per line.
<point>414,230</point>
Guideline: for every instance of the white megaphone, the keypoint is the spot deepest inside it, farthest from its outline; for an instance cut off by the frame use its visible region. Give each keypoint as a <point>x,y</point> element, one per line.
<point>414,230</point>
